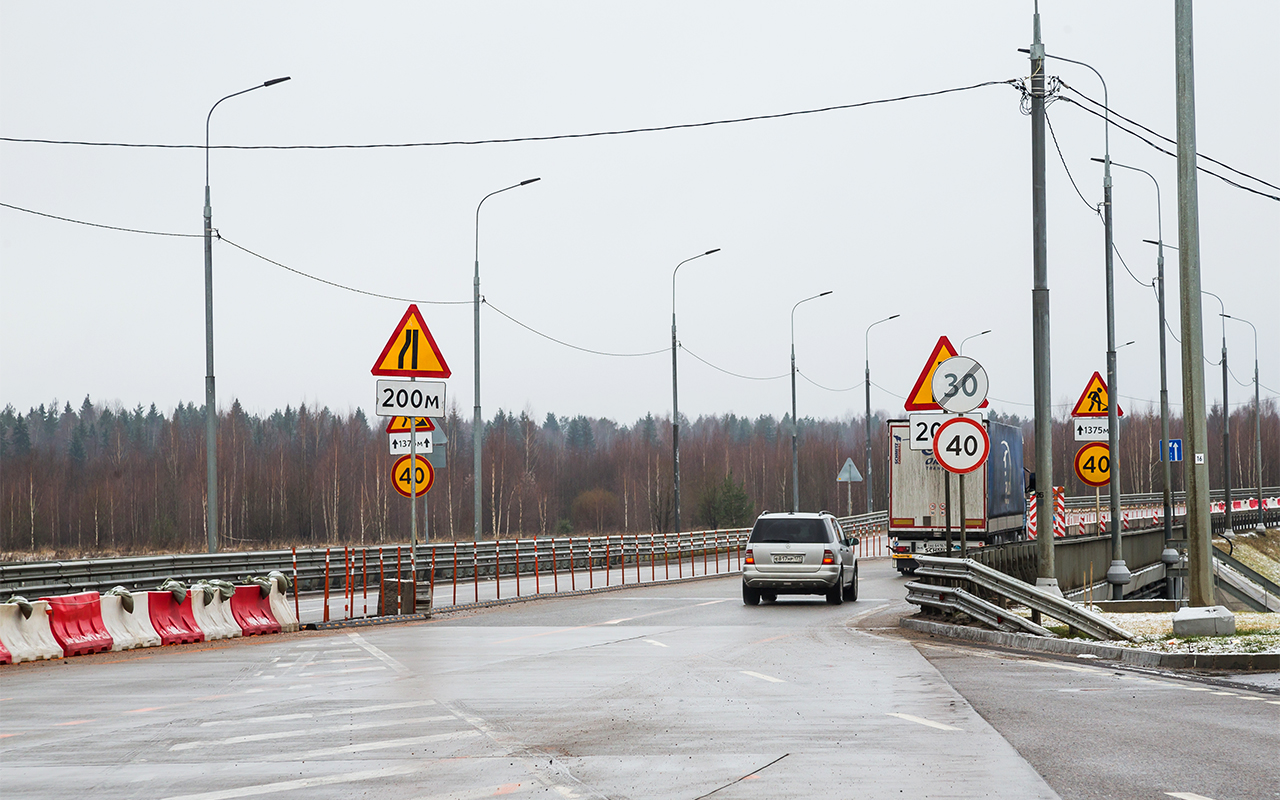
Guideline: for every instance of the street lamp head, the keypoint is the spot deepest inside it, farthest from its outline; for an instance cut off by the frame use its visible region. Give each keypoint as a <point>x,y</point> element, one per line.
<point>824,294</point>
<point>531,180</point>
<point>709,252</point>
<point>895,316</point>
<point>274,81</point>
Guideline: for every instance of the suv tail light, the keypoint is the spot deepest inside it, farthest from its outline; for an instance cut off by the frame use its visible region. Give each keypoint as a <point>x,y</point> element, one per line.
<point>750,559</point>
<point>828,557</point>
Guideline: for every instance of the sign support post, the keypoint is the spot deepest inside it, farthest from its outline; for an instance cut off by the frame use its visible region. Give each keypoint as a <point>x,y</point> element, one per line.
<point>413,501</point>
<point>946,501</point>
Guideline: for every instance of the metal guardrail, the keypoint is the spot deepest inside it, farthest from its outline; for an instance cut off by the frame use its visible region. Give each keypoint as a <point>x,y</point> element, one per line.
<point>955,599</point>
<point>946,571</point>
<point>445,561</point>
<point>1157,498</point>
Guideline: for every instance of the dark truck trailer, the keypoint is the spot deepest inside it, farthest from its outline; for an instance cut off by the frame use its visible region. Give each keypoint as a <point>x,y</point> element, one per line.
<point>995,499</point>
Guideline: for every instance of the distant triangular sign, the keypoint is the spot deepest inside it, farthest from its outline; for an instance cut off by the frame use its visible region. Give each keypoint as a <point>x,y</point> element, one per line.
<point>411,352</point>
<point>401,424</point>
<point>921,396</point>
<point>1093,400</point>
<point>849,473</point>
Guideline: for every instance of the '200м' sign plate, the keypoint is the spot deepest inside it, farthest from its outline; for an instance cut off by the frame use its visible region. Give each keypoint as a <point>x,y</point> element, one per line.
<point>410,399</point>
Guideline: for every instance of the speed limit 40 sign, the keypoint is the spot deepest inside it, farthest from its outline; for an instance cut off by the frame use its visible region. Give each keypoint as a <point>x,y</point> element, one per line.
<point>961,445</point>
<point>404,478</point>
<point>1093,464</point>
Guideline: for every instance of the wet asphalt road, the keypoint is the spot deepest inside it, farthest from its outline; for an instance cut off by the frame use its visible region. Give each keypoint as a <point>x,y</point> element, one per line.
<point>673,691</point>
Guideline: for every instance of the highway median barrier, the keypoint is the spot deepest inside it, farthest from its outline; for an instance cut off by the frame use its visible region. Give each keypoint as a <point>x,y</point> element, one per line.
<point>127,620</point>
<point>279,603</point>
<point>168,620</point>
<point>211,609</point>
<point>25,631</point>
<point>252,610</point>
<point>76,621</point>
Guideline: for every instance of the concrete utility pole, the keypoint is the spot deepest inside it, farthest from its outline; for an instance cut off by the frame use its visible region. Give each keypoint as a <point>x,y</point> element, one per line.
<point>1199,554</point>
<point>1046,571</point>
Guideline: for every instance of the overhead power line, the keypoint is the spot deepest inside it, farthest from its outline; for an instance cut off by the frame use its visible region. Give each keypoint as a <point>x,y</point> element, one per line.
<point>733,374</point>
<point>513,140</point>
<point>98,224</point>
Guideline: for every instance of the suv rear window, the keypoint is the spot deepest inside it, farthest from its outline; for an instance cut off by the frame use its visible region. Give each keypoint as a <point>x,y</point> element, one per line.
<point>796,531</point>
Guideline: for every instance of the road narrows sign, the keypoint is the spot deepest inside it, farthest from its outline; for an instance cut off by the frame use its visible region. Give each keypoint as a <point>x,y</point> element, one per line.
<point>1093,400</point>
<point>401,477</point>
<point>401,424</point>
<point>411,352</point>
<point>959,384</point>
<point>920,398</point>
<point>1093,464</point>
<point>961,445</point>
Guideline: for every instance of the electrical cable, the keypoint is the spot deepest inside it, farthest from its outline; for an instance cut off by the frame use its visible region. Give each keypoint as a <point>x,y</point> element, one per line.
<point>733,374</point>
<point>100,225</point>
<point>1155,146</point>
<point>486,302</point>
<point>218,234</point>
<point>548,138</point>
<point>1166,138</point>
<point>828,388</point>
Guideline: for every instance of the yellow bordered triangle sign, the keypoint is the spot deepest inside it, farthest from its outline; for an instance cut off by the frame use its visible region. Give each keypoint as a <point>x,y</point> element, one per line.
<point>412,352</point>
<point>920,398</point>
<point>1093,400</point>
<point>401,424</point>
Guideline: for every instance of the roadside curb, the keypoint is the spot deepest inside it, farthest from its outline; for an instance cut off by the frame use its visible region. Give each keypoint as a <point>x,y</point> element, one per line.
<point>1252,662</point>
<point>506,601</point>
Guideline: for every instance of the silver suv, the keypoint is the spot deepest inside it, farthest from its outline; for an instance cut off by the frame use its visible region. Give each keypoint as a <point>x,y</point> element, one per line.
<point>799,553</point>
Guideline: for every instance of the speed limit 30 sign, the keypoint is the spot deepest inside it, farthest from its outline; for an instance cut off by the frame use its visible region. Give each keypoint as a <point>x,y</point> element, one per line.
<point>961,445</point>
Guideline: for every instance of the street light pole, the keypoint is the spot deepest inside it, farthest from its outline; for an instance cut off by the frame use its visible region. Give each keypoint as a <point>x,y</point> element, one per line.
<point>866,382</point>
<point>1226,414</point>
<point>477,424</point>
<point>675,394</point>
<point>967,338</point>
<point>795,423</point>
<point>1169,556</point>
<point>1117,574</point>
<point>1257,419</point>
<point>210,395</point>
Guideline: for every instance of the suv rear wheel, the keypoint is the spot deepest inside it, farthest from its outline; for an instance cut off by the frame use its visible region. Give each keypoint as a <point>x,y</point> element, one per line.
<point>836,595</point>
<point>750,597</point>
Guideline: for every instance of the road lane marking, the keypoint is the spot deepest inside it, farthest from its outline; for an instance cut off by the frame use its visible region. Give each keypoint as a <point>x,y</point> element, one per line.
<point>713,602</point>
<point>74,722</point>
<point>386,744</point>
<point>273,718</point>
<point>768,678</point>
<point>333,672</point>
<point>302,783</point>
<point>1188,796</point>
<point>378,654</point>
<point>598,624</point>
<point>659,644</point>
<point>265,737</point>
<point>922,721</point>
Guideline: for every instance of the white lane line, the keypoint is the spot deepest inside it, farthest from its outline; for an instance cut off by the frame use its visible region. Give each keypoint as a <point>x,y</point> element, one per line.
<point>922,721</point>
<point>378,654</point>
<point>334,672</point>
<point>266,737</point>
<point>1188,796</point>
<point>659,644</point>
<point>616,621</point>
<point>768,678</point>
<point>301,783</point>
<point>274,718</point>
<point>372,709</point>
<point>387,744</point>
<point>713,602</point>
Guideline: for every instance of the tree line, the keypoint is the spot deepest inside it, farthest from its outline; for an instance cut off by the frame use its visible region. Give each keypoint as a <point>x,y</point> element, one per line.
<point>107,479</point>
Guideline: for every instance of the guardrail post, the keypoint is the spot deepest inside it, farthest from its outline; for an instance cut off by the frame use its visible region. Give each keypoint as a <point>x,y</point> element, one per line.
<point>295,583</point>
<point>537,571</point>
<point>455,572</point>
<point>555,568</point>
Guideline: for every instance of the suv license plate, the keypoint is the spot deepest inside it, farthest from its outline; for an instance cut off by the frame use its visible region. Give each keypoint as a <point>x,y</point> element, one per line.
<point>788,558</point>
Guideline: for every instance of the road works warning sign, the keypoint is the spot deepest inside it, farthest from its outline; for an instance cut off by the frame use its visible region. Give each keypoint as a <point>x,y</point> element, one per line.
<point>1093,400</point>
<point>412,352</point>
<point>401,425</point>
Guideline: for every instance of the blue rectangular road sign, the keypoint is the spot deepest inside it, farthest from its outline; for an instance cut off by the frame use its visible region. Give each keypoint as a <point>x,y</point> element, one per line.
<point>1175,450</point>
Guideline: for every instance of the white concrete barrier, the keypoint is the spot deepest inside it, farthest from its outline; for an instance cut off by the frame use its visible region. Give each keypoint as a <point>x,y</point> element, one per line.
<point>212,613</point>
<point>126,628</point>
<point>281,609</point>
<point>28,639</point>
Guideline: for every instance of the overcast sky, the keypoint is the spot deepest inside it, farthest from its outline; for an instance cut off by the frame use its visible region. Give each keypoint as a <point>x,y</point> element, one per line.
<point>919,207</point>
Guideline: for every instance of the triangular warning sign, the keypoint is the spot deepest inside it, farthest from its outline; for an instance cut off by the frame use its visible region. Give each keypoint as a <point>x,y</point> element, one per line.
<point>921,396</point>
<point>1093,400</point>
<point>411,352</point>
<point>401,424</point>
